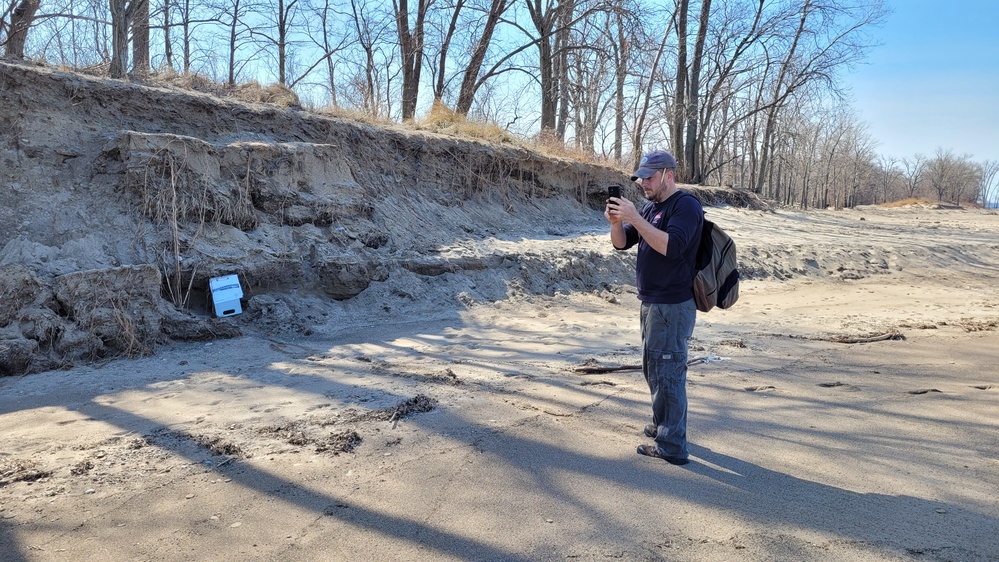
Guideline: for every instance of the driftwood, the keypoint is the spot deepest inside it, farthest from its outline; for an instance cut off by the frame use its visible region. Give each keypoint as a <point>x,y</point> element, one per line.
<point>892,335</point>
<point>596,370</point>
<point>609,369</point>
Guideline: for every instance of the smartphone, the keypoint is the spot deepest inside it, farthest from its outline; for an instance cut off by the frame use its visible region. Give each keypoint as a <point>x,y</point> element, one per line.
<point>614,191</point>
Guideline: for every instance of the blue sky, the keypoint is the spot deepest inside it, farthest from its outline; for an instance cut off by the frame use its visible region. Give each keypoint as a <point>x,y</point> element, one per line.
<point>934,80</point>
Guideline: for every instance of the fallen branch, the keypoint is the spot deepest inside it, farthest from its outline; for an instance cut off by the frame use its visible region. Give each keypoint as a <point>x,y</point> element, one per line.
<point>598,370</point>
<point>893,335</point>
<point>590,370</point>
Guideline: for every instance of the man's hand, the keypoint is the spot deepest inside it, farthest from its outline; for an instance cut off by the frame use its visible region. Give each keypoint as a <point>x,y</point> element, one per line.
<point>620,210</point>
<point>615,216</point>
<point>614,219</point>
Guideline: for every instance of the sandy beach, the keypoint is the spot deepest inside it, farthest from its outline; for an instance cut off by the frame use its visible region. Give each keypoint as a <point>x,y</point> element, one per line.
<point>844,409</point>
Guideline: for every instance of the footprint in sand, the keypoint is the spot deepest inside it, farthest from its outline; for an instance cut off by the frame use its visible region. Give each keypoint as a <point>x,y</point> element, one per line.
<point>763,388</point>
<point>924,391</point>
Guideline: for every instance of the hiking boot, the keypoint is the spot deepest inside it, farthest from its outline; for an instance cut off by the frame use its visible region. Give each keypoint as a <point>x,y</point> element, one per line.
<point>653,451</point>
<point>651,431</point>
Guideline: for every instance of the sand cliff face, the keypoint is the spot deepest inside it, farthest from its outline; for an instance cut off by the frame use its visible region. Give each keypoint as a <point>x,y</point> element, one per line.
<point>119,202</point>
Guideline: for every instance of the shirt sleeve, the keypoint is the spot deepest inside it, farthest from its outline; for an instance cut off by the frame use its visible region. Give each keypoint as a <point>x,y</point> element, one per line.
<point>631,236</point>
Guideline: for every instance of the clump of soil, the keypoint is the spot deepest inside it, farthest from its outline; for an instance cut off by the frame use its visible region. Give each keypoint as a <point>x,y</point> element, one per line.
<point>19,470</point>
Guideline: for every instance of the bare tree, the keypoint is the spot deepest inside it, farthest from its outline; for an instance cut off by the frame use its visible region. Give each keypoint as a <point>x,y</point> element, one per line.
<point>447,36</point>
<point>965,186</point>
<point>548,16</point>
<point>330,37</point>
<point>129,15</point>
<point>234,18</point>
<point>21,18</point>
<point>861,164</point>
<point>621,53</point>
<point>913,171</point>
<point>590,79</point>
<point>601,78</point>
<point>828,36</point>
<point>680,90</point>
<point>835,142</point>
<point>140,36</point>
<point>550,75</point>
<point>167,37</point>
<point>369,89</point>
<point>888,174</point>
<point>951,175</point>
<point>691,165</point>
<point>472,80</point>
<point>645,93</point>
<point>280,16</point>
<point>411,51</point>
<point>119,39</point>
<point>732,73</point>
<point>988,187</point>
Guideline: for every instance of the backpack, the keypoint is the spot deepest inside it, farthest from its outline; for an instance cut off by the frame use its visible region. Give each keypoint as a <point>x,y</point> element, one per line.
<point>716,271</point>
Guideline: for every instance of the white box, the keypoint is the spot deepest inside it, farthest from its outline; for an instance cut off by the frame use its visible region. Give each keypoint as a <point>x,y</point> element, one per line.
<point>226,292</point>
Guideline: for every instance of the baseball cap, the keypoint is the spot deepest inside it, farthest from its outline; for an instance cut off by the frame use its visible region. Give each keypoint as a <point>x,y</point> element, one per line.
<point>652,163</point>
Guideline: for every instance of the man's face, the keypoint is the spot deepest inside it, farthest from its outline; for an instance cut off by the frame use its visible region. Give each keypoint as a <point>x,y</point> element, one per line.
<point>656,186</point>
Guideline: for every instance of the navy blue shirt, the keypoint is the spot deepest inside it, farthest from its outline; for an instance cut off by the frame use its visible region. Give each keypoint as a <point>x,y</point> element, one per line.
<point>668,279</point>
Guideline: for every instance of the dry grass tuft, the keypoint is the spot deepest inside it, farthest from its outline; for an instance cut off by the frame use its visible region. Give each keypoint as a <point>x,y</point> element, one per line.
<point>548,145</point>
<point>442,119</point>
<point>191,82</point>
<point>910,202</point>
<point>250,92</point>
<point>276,94</point>
<point>352,115</point>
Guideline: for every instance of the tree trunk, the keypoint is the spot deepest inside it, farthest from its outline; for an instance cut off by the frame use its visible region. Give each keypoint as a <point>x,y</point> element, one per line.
<point>411,51</point>
<point>20,22</point>
<point>445,46</point>
<point>167,43</point>
<point>470,81</point>
<point>562,72</point>
<point>647,100</point>
<point>544,22</point>
<point>676,130</point>
<point>119,39</point>
<point>621,76</point>
<point>282,43</point>
<point>232,43</point>
<point>693,171</point>
<point>545,69</point>
<point>779,95</point>
<point>186,39</point>
<point>140,36</point>
<point>369,92</point>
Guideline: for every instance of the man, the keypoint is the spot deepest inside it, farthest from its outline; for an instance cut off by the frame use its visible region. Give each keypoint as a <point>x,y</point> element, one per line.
<point>667,231</point>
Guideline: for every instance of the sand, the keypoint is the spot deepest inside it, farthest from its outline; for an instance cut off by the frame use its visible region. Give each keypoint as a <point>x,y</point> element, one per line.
<point>470,434</point>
